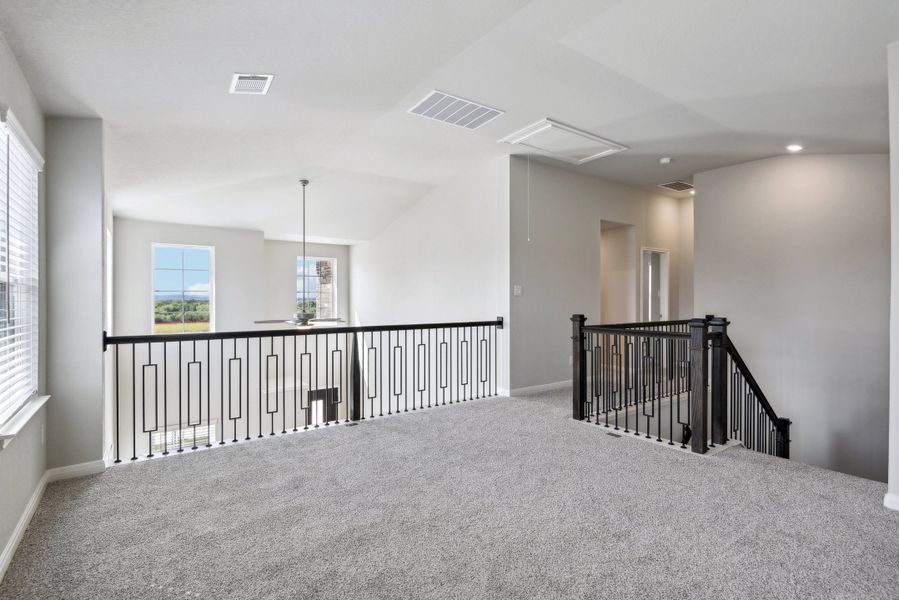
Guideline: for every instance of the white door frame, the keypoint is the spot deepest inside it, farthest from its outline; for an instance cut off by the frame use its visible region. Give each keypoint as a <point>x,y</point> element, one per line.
<point>664,282</point>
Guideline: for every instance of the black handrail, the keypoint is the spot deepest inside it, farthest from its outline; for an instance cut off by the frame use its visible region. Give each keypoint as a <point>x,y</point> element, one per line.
<point>642,364</point>
<point>641,324</point>
<point>109,340</point>
<point>174,392</point>
<point>754,385</point>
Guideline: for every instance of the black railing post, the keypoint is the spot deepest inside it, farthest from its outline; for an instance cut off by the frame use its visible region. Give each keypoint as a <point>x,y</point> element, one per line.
<point>699,382</point>
<point>579,366</point>
<point>356,380</point>
<point>719,379</point>
<point>783,438</point>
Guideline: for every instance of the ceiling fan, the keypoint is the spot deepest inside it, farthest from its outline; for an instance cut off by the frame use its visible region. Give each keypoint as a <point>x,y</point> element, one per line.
<point>304,318</point>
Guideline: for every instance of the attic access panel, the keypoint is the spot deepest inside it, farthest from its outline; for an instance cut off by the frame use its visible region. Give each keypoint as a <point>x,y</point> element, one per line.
<point>563,142</point>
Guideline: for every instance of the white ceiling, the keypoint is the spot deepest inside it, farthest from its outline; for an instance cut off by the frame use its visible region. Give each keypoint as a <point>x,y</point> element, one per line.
<point>707,82</point>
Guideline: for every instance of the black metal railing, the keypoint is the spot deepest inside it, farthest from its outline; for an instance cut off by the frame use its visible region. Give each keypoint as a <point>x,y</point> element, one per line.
<point>675,381</point>
<point>187,391</point>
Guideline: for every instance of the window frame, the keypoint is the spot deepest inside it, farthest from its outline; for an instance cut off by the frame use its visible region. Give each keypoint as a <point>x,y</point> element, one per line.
<point>13,407</point>
<point>334,263</point>
<point>211,249</point>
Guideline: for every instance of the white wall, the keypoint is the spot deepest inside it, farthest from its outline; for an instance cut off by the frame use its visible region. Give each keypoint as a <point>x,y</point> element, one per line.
<point>239,273</point>
<point>23,463</point>
<point>281,278</point>
<point>559,268</point>
<point>75,364</point>
<point>445,259</point>
<point>794,250</point>
<point>892,497</point>
<point>617,274</point>
<point>685,272</point>
<point>255,278</point>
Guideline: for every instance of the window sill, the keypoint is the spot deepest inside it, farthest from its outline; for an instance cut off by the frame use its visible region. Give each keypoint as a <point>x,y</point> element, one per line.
<point>12,428</point>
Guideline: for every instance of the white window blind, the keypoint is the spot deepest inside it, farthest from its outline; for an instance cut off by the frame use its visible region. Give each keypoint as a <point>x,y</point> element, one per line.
<point>19,167</point>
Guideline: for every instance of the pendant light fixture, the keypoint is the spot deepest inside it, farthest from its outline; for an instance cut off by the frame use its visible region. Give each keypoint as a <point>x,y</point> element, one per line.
<point>304,318</point>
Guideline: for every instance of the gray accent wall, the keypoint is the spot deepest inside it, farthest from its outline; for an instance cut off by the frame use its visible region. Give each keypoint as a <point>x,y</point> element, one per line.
<point>74,323</point>
<point>558,264</point>
<point>795,251</point>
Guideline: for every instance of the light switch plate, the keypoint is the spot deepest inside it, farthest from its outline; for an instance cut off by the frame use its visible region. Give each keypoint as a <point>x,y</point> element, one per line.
<point>516,290</point>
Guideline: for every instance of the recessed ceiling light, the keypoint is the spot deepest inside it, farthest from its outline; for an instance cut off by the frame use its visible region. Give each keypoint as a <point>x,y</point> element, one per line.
<point>693,192</point>
<point>665,160</point>
<point>249,83</point>
<point>794,148</point>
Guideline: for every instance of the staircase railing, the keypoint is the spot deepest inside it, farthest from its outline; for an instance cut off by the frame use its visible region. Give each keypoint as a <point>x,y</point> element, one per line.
<point>175,392</point>
<point>676,381</point>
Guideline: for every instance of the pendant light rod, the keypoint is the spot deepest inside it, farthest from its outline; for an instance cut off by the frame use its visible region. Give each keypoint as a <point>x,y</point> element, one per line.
<point>304,183</point>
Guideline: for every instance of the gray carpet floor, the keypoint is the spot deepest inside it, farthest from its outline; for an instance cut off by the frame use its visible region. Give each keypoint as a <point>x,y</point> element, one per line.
<point>497,498</point>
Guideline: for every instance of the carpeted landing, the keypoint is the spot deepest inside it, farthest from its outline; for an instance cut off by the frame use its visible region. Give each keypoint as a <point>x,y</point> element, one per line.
<point>496,498</point>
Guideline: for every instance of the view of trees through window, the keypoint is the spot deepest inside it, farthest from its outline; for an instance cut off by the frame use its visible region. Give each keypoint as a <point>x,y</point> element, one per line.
<point>182,284</point>
<point>319,274</point>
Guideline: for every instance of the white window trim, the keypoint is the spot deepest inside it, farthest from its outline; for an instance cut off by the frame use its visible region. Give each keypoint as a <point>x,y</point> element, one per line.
<point>9,119</point>
<point>334,302</point>
<point>30,406</point>
<point>211,249</point>
<point>20,419</point>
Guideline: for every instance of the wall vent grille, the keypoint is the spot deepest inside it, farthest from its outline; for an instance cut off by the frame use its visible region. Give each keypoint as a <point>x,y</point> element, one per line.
<point>677,186</point>
<point>440,106</point>
<point>246,83</point>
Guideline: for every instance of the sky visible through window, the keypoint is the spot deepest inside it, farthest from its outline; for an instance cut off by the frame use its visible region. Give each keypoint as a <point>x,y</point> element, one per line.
<point>182,284</point>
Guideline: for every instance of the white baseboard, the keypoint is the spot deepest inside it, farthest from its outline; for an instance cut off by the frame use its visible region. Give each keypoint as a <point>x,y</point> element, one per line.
<point>891,501</point>
<point>502,391</point>
<point>80,470</point>
<point>546,387</point>
<point>22,525</point>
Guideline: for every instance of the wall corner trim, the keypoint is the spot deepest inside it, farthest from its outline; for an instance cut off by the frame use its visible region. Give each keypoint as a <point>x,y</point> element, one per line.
<point>80,470</point>
<point>546,387</point>
<point>891,501</point>
<point>50,475</point>
<point>10,549</point>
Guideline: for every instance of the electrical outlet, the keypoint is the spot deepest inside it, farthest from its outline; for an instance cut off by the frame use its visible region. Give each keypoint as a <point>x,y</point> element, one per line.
<point>516,290</point>
<point>570,360</point>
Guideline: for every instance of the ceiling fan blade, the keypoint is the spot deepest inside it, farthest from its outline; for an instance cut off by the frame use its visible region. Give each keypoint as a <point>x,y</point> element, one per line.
<point>272,321</point>
<point>326,321</point>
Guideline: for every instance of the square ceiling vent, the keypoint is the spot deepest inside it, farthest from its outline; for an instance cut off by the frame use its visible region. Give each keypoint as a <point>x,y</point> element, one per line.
<point>454,110</point>
<point>246,83</point>
<point>563,142</point>
<point>677,186</point>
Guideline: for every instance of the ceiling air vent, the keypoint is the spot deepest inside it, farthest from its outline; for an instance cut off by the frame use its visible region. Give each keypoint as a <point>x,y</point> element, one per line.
<point>447,108</point>
<point>563,142</point>
<point>677,186</point>
<point>245,83</point>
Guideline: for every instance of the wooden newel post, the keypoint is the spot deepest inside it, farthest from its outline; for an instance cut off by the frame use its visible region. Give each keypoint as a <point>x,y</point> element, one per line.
<point>718,325</point>
<point>699,361</point>
<point>356,381</point>
<point>783,438</point>
<point>578,366</point>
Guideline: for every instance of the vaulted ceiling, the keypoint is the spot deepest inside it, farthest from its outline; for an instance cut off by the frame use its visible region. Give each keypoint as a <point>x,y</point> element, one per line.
<point>706,82</point>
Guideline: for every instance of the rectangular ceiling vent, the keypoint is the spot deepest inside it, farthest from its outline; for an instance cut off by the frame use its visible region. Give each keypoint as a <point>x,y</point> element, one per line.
<point>677,186</point>
<point>454,110</point>
<point>246,83</point>
<point>563,142</point>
